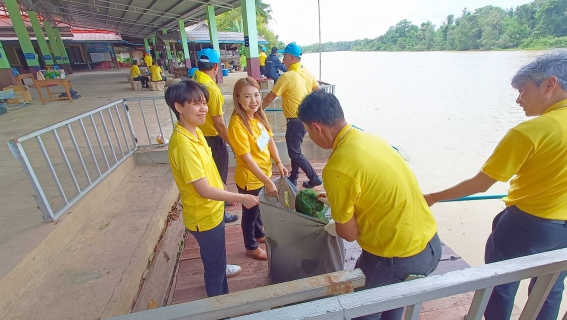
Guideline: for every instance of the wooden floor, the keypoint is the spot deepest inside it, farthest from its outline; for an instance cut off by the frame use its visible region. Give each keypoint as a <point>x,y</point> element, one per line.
<point>189,283</point>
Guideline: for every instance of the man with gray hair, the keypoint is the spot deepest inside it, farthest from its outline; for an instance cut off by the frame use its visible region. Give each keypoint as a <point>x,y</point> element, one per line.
<point>533,155</point>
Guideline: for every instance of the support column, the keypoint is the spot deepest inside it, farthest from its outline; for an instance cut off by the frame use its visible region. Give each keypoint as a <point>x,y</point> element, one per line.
<point>168,51</point>
<point>53,43</point>
<point>6,76</point>
<point>250,38</point>
<point>47,57</point>
<point>214,36</point>
<point>23,36</point>
<point>183,37</point>
<point>63,51</point>
<point>146,44</point>
<point>154,42</point>
<point>115,57</point>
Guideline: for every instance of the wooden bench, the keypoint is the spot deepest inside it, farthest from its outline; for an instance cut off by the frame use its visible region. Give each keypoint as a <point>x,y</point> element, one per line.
<point>136,85</point>
<point>258,299</point>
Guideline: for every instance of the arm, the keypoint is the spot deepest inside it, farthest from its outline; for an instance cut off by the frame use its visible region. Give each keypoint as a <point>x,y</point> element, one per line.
<point>276,157</point>
<point>479,183</point>
<point>221,127</point>
<point>268,99</point>
<point>206,191</point>
<point>253,166</point>
<point>348,230</point>
<point>316,88</point>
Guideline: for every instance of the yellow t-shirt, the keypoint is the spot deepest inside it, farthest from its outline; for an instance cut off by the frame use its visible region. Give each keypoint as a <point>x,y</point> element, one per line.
<point>243,142</point>
<point>155,72</point>
<point>366,178</point>
<point>262,59</point>
<point>535,151</point>
<point>293,86</point>
<point>216,100</point>
<point>190,159</point>
<point>148,60</point>
<point>135,71</point>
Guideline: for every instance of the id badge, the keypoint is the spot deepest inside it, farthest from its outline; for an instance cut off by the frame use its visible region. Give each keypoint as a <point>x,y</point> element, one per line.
<point>263,140</point>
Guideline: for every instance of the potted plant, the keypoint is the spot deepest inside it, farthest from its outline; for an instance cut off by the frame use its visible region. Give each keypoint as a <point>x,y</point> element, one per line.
<point>52,74</point>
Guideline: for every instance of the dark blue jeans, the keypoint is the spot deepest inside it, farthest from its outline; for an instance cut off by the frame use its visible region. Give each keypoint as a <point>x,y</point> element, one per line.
<point>294,134</point>
<point>516,234</point>
<point>251,224</point>
<point>381,271</point>
<point>213,254</point>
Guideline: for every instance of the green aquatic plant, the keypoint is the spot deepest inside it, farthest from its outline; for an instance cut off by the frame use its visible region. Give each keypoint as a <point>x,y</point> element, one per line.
<point>306,203</point>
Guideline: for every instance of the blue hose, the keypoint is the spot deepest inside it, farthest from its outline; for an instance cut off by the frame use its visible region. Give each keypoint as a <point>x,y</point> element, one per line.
<point>481,197</point>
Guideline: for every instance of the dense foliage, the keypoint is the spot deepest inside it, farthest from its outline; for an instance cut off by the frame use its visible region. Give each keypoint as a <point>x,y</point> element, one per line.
<point>537,25</point>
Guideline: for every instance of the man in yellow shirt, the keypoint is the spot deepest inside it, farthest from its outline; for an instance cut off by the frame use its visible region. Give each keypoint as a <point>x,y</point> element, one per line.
<point>214,128</point>
<point>201,189</point>
<point>156,72</point>
<point>374,197</point>
<point>148,60</point>
<point>293,86</point>
<point>533,155</point>
<point>262,61</point>
<point>137,76</point>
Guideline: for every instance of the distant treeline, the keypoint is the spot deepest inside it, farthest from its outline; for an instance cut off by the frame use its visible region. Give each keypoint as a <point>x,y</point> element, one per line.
<point>537,25</point>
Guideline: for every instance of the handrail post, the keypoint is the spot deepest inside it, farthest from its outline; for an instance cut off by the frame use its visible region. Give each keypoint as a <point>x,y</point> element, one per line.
<point>39,196</point>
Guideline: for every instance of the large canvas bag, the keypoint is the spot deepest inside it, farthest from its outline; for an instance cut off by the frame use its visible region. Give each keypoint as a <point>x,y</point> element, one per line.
<point>297,245</point>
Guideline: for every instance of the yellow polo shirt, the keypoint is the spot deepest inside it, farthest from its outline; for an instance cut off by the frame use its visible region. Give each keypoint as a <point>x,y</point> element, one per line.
<point>155,72</point>
<point>243,142</point>
<point>366,178</point>
<point>262,59</point>
<point>216,100</point>
<point>534,155</point>
<point>148,60</point>
<point>190,159</point>
<point>134,71</point>
<point>293,86</point>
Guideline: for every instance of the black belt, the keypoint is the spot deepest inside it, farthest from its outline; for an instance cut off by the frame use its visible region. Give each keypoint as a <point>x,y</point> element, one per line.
<point>292,119</point>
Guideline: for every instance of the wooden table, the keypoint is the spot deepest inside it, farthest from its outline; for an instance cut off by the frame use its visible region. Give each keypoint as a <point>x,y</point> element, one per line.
<point>66,83</point>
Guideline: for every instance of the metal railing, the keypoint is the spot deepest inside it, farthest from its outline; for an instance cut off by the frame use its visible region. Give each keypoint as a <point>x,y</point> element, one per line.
<point>412,294</point>
<point>66,160</point>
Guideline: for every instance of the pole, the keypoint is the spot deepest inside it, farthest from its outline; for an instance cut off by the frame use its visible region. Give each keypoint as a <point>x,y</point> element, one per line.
<point>319,11</point>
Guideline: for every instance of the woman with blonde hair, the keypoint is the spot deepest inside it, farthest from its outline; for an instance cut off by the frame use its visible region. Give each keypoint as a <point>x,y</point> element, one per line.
<point>252,141</point>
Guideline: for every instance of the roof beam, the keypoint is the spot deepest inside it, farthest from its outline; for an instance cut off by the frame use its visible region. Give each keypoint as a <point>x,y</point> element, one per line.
<point>124,13</point>
<point>135,9</point>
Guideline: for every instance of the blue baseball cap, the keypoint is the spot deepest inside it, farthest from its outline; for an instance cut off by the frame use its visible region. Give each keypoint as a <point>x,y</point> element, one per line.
<point>292,49</point>
<point>211,55</point>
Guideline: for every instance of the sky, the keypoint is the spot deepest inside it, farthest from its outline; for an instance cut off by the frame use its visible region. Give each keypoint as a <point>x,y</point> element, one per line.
<point>296,20</point>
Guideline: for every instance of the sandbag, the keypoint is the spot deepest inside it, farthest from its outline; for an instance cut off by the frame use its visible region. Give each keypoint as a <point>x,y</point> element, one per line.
<point>297,245</point>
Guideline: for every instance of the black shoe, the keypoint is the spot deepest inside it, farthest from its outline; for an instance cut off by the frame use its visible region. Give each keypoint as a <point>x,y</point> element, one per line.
<point>316,181</point>
<point>228,218</point>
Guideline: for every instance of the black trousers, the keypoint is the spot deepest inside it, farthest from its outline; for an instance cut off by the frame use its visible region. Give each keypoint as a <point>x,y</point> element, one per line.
<point>294,135</point>
<point>143,79</point>
<point>252,225</point>
<point>220,155</point>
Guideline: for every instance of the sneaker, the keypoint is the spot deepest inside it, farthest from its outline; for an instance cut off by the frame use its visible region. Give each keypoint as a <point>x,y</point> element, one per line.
<point>228,218</point>
<point>258,254</point>
<point>232,270</point>
<point>316,181</point>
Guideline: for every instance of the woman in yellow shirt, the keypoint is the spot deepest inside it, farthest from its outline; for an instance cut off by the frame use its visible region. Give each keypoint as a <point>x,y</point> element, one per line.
<point>253,144</point>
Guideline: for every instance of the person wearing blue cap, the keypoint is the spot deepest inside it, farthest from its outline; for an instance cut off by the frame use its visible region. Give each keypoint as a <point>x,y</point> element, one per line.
<point>214,129</point>
<point>274,65</point>
<point>262,61</point>
<point>293,86</point>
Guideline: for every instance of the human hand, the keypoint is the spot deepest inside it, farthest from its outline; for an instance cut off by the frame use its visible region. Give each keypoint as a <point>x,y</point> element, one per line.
<point>322,197</point>
<point>250,201</point>
<point>429,199</point>
<point>282,169</point>
<point>271,189</point>
<point>331,228</point>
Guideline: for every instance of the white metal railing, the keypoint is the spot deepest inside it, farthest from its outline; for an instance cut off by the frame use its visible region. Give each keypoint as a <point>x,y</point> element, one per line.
<point>66,160</point>
<point>482,279</point>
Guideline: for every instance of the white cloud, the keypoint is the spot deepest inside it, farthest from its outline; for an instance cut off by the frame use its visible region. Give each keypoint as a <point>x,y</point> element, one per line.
<point>296,20</point>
